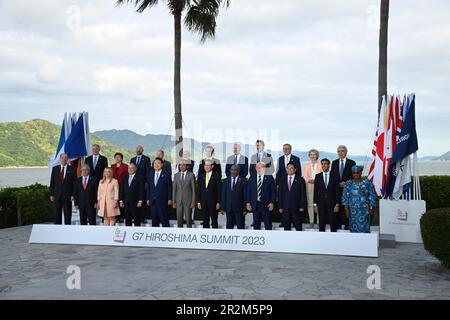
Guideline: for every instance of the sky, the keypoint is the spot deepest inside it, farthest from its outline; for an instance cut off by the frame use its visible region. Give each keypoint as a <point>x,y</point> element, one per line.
<point>303,72</point>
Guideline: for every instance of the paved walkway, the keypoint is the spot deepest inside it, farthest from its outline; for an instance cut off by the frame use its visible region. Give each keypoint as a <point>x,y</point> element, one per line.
<point>39,272</point>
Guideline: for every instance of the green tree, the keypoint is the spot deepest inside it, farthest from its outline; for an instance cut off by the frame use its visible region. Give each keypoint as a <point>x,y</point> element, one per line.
<point>199,17</point>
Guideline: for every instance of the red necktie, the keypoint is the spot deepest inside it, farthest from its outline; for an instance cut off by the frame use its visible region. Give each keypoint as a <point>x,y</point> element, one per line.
<point>84,183</point>
<point>290,183</point>
<point>61,175</point>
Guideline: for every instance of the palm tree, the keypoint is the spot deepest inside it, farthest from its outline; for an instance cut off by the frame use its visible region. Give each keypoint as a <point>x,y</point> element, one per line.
<point>199,17</point>
<point>383,50</point>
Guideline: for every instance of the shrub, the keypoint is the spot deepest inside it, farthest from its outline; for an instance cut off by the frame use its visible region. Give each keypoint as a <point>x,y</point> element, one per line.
<point>435,191</point>
<point>435,229</point>
<point>32,201</point>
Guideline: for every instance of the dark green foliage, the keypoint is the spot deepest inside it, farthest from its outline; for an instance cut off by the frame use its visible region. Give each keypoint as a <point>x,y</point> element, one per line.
<point>33,202</point>
<point>435,228</point>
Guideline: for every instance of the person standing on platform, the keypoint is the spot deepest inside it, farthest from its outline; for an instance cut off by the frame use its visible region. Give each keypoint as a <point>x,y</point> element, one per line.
<point>120,170</point>
<point>85,195</point>
<point>292,198</point>
<point>341,169</point>
<point>188,161</point>
<point>108,198</point>
<point>159,193</point>
<point>208,195</point>
<point>261,197</point>
<point>283,162</point>
<point>184,197</point>
<point>132,196</point>
<point>167,166</point>
<point>97,163</point>
<point>261,156</point>
<point>217,168</point>
<point>61,190</point>
<point>144,166</point>
<point>234,198</point>
<point>359,200</point>
<point>311,170</point>
<point>237,159</point>
<point>326,197</point>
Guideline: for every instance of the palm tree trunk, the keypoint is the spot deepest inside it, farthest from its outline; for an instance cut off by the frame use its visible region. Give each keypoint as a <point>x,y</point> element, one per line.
<point>177,88</point>
<point>383,51</point>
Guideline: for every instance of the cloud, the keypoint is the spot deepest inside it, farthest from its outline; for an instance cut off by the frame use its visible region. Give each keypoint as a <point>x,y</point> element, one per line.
<point>304,69</point>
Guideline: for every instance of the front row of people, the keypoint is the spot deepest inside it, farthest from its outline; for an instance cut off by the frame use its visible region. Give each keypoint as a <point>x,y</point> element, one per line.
<point>234,197</point>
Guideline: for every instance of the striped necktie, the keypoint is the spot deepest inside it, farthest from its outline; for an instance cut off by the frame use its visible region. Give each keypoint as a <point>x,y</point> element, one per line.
<point>259,187</point>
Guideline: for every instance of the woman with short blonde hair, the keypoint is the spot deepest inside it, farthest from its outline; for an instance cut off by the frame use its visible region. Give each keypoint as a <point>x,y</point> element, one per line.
<point>311,169</point>
<point>108,198</point>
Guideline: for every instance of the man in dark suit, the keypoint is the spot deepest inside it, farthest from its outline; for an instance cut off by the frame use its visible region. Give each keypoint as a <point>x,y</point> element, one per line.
<point>326,197</point>
<point>144,166</point>
<point>188,161</point>
<point>61,190</point>
<point>234,198</point>
<point>159,193</point>
<point>208,195</point>
<point>292,199</point>
<point>261,156</point>
<point>97,163</point>
<point>284,160</point>
<point>132,196</point>
<point>85,195</point>
<point>237,159</point>
<point>167,166</point>
<point>217,168</point>
<point>341,170</point>
<point>142,162</point>
<point>261,197</point>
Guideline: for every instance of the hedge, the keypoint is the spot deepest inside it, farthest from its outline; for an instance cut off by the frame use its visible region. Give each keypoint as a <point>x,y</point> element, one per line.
<point>35,206</point>
<point>435,229</point>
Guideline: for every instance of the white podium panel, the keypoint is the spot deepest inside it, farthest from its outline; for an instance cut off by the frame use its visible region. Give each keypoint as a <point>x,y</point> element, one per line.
<point>402,219</point>
<point>336,243</point>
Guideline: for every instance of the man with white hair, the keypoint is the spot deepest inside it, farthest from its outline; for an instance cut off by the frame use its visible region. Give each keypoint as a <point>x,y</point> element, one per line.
<point>85,194</point>
<point>261,197</point>
<point>341,170</point>
<point>61,189</point>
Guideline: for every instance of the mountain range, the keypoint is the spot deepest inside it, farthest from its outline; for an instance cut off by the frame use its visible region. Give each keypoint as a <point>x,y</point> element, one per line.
<point>33,143</point>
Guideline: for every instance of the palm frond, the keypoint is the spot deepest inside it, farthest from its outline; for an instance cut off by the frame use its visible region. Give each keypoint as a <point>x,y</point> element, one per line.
<point>140,5</point>
<point>201,17</point>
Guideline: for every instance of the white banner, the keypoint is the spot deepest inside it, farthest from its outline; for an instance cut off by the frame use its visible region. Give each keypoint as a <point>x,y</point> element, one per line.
<point>402,219</point>
<point>332,243</point>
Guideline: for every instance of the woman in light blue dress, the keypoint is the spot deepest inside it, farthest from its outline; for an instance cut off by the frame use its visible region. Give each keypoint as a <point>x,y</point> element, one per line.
<point>359,200</point>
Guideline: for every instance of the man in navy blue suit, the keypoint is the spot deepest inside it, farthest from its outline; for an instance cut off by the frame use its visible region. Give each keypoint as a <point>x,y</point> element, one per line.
<point>208,195</point>
<point>284,160</point>
<point>292,199</point>
<point>326,197</point>
<point>239,160</point>
<point>234,198</point>
<point>159,193</point>
<point>261,197</point>
<point>144,166</point>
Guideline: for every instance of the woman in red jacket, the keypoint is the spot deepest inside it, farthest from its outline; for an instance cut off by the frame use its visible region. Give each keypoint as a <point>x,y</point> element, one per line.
<point>120,170</point>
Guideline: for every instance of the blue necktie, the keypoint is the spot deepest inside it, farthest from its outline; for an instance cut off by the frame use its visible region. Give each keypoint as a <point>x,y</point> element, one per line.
<point>95,162</point>
<point>341,169</point>
<point>235,160</point>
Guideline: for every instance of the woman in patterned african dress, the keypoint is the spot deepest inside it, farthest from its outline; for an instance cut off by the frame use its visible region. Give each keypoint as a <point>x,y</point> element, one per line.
<point>359,200</point>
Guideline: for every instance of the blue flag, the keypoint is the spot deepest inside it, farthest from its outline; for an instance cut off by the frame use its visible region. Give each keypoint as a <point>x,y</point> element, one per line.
<point>406,145</point>
<point>75,146</point>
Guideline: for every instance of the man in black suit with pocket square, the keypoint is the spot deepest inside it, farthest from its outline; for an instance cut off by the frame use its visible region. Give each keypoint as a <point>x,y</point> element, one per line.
<point>85,195</point>
<point>97,163</point>
<point>208,195</point>
<point>326,197</point>
<point>132,196</point>
<point>61,189</point>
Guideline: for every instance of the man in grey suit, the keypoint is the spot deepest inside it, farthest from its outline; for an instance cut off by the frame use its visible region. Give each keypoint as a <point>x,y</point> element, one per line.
<point>184,198</point>
<point>261,156</point>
